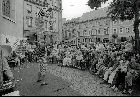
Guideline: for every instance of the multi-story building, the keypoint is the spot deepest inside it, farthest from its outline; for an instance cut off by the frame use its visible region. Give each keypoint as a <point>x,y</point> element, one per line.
<point>48,28</point>
<point>11,21</point>
<point>97,26</point>
<point>70,33</point>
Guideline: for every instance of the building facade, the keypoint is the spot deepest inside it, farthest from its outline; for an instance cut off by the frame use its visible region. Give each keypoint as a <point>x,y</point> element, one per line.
<point>49,27</point>
<point>97,26</point>
<point>123,29</point>
<point>70,32</point>
<point>11,21</point>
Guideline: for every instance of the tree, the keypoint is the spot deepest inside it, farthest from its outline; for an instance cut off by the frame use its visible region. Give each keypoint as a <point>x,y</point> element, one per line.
<point>123,10</point>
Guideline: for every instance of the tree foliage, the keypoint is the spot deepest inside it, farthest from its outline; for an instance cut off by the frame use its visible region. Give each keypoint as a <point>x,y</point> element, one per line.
<point>95,4</point>
<point>118,9</point>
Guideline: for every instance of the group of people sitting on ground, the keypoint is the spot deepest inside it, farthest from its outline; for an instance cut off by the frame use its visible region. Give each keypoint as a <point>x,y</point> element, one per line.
<point>116,64</point>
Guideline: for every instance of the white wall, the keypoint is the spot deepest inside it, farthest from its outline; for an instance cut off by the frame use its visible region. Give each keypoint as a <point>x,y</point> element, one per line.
<point>9,28</point>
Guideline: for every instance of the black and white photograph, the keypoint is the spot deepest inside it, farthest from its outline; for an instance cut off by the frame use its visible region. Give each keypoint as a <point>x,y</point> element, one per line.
<point>69,47</point>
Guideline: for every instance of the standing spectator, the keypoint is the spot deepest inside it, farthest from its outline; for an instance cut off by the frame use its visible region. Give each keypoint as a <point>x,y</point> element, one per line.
<point>26,58</point>
<point>42,67</point>
<point>79,58</point>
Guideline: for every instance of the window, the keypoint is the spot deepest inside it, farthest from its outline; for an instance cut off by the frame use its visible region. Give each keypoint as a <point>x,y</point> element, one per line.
<point>121,30</point>
<point>96,33</point>
<point>99,23</point>
<point>115,31</point>
<point>78,40</point>
<point>8,9</point>
<point>89,32</point>
<point>79,34</point>
<point>51,25</point>
<point>29,8</point>
<point>99,31</point>
<point>92,32</point>
<point>51,14</point>
<point>69,34</point>
<point>127,30</point>
<point>115,22</point>
<point>96,24</point>
<point>29,21</point>
<point>93,24</point>
<point>74,42</point>
<point>83,40</point>
<point>105,31</point>
<point>90,40</point>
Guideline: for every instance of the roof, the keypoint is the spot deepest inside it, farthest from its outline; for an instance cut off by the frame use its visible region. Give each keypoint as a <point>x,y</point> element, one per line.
<point>73,20</point>
<point>94,14</point>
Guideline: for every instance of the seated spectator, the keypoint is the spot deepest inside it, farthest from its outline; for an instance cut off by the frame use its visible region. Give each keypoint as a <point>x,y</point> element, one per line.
<point>119,75</point>
<point>102,68</point>
<point>114,69</point>
<point>93,68</point>
<point>132,74</point>
<point>67,60</point>
<point>110,68</point>
<point>129,81</point>
<point>120,79</point>
<point>99,64</point>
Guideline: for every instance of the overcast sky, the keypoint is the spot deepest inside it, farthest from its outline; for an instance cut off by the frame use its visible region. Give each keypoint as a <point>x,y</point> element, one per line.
<point>75,8</point>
